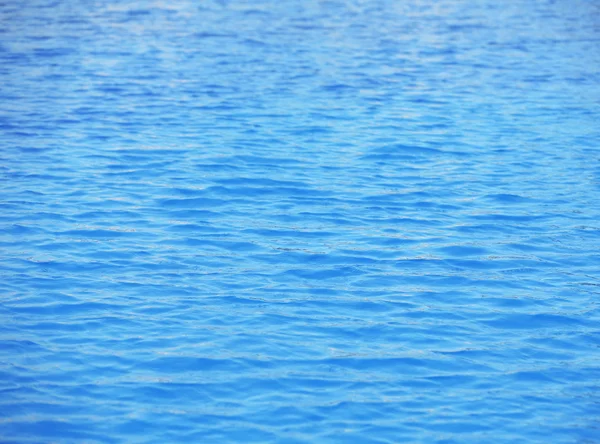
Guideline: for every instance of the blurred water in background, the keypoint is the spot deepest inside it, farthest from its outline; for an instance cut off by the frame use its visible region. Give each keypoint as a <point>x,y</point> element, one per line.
<point>300,221</point>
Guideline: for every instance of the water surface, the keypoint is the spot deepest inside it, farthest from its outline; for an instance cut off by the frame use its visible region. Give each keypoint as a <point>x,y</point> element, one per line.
<point>299,221</point>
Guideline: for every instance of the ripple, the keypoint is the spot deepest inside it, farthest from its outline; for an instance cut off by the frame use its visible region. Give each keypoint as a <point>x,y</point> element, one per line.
<point>363,222</point>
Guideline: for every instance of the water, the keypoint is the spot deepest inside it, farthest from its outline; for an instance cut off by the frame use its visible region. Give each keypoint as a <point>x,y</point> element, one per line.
<point>300,221</point>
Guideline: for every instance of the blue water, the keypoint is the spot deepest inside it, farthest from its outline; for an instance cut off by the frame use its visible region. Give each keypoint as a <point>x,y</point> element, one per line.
<point>300,221</point>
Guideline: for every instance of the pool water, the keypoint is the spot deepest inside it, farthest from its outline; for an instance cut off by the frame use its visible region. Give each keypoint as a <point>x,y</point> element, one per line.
<point>300,221</point>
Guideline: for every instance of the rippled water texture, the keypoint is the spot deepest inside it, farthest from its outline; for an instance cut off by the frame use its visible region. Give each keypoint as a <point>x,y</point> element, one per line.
<point>300,221</point>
